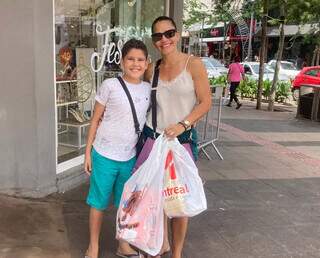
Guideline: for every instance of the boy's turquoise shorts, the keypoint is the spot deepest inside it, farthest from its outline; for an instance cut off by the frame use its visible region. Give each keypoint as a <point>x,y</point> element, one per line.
<point>107,177</point>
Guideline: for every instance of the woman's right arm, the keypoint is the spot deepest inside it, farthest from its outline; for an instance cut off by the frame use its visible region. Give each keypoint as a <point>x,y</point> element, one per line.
<point>95,120</point>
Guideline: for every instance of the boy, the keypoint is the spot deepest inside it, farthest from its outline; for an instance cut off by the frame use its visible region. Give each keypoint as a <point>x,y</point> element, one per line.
<point>110,151</point>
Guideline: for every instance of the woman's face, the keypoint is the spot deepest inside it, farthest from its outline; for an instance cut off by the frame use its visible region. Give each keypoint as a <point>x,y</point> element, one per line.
<point>166,43</point>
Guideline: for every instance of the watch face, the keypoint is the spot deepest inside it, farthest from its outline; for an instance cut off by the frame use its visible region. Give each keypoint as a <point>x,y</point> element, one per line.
<point>187,122</point>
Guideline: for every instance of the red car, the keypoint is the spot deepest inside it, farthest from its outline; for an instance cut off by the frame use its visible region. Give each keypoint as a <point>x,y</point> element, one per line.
<point>308,75</point>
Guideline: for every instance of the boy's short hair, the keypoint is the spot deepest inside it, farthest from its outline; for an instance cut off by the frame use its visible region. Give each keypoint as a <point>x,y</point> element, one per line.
<point>134,43</point>
<point>163,18</point>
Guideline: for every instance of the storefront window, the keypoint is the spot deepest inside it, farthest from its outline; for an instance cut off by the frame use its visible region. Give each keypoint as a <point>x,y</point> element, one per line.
<point>76,38</point>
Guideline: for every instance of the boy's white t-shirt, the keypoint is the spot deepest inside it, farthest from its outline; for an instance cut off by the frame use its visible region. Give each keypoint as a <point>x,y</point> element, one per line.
<point>116,137</point>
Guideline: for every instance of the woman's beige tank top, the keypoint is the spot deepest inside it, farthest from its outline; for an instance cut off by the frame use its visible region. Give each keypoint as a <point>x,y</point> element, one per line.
<point>175,100</point>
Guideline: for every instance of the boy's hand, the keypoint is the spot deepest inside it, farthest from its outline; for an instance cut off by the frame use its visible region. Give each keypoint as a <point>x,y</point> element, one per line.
<point>87,164</point>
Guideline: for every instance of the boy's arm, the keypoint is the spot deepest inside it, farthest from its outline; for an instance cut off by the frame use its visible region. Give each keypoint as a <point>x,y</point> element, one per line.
<point>95,120</point>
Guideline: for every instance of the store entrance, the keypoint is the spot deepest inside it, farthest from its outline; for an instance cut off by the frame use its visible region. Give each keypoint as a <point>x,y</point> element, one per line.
<point>76,40</point>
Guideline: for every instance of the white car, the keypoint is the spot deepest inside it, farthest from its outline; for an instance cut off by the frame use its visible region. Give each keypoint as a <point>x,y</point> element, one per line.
<point>286,68</point>
<point>214,67</point>
<point>251,70</point>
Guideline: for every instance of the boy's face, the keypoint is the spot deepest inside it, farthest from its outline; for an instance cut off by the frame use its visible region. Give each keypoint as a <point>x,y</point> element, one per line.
<point>134,64</point>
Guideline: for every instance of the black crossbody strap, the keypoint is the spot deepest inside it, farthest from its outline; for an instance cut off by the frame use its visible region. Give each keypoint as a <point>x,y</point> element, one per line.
<point>133,110</point>
<point>154,96</point>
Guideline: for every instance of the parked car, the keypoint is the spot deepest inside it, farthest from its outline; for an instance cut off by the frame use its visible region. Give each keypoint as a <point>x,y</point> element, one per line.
<point>308,75</point>
<point>214,67</point>
<point>251,69</point>
<point>286,68</point>
<point>292,60</point>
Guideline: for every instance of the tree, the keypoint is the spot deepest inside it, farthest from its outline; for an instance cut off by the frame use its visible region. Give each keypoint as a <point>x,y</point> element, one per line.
<point>296,11</point>
<point>273,89</point>
<point>303,12</point>
<point>221,14</point>
<point>262,52</point>
<point>194,12</point>
<point>197,12</point>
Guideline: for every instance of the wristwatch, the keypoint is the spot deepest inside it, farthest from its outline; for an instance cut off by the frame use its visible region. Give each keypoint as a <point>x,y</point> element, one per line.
<point>186,124</point>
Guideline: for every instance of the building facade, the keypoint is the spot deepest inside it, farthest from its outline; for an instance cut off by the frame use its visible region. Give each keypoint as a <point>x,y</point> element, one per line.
<point>55,54</point>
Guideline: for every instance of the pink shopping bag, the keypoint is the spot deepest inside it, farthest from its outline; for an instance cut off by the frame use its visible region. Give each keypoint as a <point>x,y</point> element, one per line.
<point>140,214</point>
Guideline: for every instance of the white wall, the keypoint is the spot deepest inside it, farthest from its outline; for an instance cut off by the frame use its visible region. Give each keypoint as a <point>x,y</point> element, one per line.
<point>27,108</point>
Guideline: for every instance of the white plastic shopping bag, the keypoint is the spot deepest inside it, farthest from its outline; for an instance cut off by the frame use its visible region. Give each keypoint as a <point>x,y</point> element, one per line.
<point>140,214</point>
<point>183,189</point>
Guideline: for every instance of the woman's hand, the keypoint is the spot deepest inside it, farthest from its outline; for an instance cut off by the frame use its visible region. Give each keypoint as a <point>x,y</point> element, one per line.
<point>173,131</point>
<point>87,163</point>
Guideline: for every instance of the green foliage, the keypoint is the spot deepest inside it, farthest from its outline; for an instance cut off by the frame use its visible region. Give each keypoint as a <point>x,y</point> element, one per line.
<point>305,11</point>
<point>255,7</point>
<point>221,10</point>
<point>283,91</point>
<point>195,12</point>
<point>248,89</point>
<point>219,81</point>
<point>266,88</point>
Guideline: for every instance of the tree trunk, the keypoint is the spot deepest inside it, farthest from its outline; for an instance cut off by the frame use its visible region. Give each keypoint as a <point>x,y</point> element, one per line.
<point>224,42</point>
<point>318,56</point>
<point>314,56</point>
<point>262,52</point>
<point>279,57</point>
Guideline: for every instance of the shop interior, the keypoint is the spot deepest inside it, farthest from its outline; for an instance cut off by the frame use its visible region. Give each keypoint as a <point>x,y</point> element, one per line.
<point>76,40</point>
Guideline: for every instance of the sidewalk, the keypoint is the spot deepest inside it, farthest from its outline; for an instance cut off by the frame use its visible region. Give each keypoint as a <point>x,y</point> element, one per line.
<point>263,198</point>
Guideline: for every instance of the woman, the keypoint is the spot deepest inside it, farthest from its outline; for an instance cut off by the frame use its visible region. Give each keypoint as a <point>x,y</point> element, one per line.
<point>183,97</point>
<point>235,73</point>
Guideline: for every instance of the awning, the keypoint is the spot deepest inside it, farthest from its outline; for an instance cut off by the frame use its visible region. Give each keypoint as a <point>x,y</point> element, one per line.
<point>291,30</point>
<point>214,39</point>
<point>198,26</point>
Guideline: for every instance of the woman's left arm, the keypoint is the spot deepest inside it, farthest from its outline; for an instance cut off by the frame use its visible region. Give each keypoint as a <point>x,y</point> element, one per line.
<point>203,93</point>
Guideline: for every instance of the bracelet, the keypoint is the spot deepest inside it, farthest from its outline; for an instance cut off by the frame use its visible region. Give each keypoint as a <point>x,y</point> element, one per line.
<point>184,126</point>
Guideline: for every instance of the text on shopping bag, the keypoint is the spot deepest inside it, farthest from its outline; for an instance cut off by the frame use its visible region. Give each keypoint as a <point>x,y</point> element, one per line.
<point>172,189</point>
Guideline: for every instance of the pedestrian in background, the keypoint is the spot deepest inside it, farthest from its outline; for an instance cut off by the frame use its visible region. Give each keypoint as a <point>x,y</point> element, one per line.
<point>235,74</point>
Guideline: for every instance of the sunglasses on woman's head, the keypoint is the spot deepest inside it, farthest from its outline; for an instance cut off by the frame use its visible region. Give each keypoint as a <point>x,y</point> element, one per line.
<point>168,34</point>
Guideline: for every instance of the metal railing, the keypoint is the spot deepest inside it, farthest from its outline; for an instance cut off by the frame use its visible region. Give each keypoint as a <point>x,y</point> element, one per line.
<point>208,128</point>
